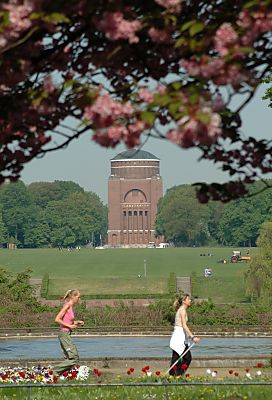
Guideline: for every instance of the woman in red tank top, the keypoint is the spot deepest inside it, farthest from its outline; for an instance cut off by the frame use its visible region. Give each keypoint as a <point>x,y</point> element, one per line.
<point>65,319</point>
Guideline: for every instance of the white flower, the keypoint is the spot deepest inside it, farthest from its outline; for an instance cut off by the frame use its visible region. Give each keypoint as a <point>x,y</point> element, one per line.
<point>148,373</point>
<point>248,375</point>
<point>214,374</point>
<point>209,371</point>
<point>259,373</point>
<point>83,373</point>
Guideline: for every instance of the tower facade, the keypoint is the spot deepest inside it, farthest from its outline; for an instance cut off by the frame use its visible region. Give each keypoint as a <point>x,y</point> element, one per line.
<point>134,189</point>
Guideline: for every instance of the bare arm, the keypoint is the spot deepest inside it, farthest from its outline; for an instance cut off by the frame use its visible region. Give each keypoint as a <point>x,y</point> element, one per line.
<point>186,328</point>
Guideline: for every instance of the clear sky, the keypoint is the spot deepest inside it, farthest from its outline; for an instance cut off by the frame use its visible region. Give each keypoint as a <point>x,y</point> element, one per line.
<point>88,164</point>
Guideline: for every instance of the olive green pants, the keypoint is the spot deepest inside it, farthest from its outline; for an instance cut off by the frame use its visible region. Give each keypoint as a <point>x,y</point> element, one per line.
<point>70,352</point>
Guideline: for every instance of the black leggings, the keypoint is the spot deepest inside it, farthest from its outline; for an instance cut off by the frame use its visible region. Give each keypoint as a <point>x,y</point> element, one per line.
<point>186,360</point>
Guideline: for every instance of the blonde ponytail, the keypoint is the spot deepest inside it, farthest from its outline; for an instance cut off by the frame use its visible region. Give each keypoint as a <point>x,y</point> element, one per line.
<point>179,300</point>
<point>69,294</point>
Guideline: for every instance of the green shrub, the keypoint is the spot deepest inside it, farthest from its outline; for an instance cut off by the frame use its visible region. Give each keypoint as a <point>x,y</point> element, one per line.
<point>45,286</point>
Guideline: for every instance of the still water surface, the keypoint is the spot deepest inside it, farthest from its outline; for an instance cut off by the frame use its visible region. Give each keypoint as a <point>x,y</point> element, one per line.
<point>142,347</point>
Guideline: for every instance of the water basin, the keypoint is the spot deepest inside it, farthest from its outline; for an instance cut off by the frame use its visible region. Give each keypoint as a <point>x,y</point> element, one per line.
<point>130,347</point>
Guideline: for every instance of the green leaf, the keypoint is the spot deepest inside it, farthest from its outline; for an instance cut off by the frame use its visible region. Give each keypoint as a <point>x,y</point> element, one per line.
<point>162,100</point>
<point>187,25</point>
<point>179,42</point>
<point>246,50</point>
<point>56,18</point>
<point>249,4</point>
<point>176,85</point>
<point>148,117</point>
<point>194,98</point>
<point>196,28</point>
<point>174,107</point>
<point>4,17</point>
<point>36,15</point>
<point>203,117</point>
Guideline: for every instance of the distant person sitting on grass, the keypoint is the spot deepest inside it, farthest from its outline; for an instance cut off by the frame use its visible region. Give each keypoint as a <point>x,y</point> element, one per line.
<point>181,337</point>
<point>65,319</point>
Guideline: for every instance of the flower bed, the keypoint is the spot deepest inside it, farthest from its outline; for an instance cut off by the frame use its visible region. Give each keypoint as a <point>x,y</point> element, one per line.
<point>134,384</point>
<point>42,375</point>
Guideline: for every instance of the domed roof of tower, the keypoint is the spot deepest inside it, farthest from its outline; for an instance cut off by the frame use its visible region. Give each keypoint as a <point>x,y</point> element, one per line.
<point>135,154</point>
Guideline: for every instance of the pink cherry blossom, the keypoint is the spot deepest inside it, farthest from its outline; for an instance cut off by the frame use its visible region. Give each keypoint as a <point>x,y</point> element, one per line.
<point>116,27</point>
<point>48,84</point>
<point>171,5</point>
<point>105,110</point>
<point>145,95</point>
<point>117,132</point>
<point>159,35</point>
<point>18,16</point>
<point>225,38</point>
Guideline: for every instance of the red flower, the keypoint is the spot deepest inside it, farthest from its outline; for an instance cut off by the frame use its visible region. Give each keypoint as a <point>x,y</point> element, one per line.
<point>50,372</point>
<point>95,370</point>
<point>146,367</point>
<point>99,381</point>
<point>71,378</point>
<point>128,372</point>
<point>247,369</point>
<point>55,379</point>
<point>184,366</point>
<point>74,374</point>
<point>98,373</point>
<point>231,371</point>
<point>236,373</point>
<point>65,373</point>
<point>175,368</point>
<point>158,373</point>
<point>131,370</point>
<point>259,365</point>
<point>187,375</point>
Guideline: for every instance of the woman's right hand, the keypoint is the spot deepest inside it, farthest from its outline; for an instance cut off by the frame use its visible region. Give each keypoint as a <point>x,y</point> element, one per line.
<point>196,339</point>
<point>73,326</point>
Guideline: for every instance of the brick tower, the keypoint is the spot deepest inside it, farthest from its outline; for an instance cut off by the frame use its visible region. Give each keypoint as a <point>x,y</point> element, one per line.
<point>134,189</point>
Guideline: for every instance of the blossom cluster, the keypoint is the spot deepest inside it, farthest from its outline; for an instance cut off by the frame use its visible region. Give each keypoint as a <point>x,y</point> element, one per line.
<point>116,27</point>
<point>131,48</point>
<point>42,375</point>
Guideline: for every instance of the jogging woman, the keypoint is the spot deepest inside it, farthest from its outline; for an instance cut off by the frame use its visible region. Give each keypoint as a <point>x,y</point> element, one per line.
<point>65,319</point>
<point>181,336</point>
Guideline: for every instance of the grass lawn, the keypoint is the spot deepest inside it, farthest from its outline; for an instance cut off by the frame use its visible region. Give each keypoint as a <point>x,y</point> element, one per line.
<point>113,271</point>
<point>140,392</point>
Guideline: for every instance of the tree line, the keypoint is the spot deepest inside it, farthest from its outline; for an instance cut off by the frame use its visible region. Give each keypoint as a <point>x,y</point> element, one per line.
<point>54,214</point>
<point>61,213</point>
<point>181,219</point>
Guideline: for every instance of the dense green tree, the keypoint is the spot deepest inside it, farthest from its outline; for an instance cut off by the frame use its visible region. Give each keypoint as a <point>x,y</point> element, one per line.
<point>265,239</point>
<point>241,220</point>
<point>44,192</point>
<point>181,219</point>
<point>76,219</point>
<point>38,235</point>
<point>3,230</point>
<point>18,209</point>
<point>55,214</point>
<point>259,274</point>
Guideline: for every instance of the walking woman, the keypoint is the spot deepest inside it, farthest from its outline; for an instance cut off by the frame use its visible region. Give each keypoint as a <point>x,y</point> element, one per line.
<point>181,336</point>
<point>65,319</point>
